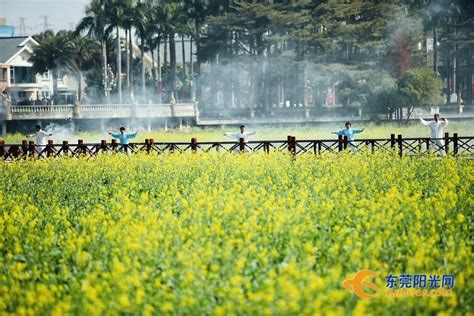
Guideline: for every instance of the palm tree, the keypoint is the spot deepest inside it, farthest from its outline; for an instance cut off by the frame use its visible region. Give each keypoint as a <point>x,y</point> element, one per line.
<point>197,12</point>
<point>173,16</point>
<point>142,24</point>
<point>128,24</point>
<point>95,23</point>
<point>84,50</point>
<point>117,15</point>
<point>155,35</point>
<point>55,53</point>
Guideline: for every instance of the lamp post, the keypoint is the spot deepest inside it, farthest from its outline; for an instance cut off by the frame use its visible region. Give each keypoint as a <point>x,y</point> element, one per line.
<point>108,81</point>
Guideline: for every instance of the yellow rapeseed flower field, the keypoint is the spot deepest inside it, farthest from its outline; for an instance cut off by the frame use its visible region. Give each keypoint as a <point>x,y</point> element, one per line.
<point>231,234</point>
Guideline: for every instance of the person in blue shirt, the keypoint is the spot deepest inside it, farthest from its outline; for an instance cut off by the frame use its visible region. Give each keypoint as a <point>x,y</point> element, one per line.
<point>349,132</point>
<point>123,137</point>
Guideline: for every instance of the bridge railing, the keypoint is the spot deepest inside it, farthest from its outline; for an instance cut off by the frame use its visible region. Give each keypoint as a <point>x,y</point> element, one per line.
<point>397,145</point>
<point>89,107</point>
<point>40,108</point>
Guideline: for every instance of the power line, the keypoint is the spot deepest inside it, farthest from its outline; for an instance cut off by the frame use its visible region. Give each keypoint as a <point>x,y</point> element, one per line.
<point>45,22</point>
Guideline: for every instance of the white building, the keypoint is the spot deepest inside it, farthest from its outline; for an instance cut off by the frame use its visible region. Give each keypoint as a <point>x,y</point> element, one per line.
<point>17,78</point>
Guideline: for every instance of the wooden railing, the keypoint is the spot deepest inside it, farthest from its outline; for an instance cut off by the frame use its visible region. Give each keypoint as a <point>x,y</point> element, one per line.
<point>397,145</point>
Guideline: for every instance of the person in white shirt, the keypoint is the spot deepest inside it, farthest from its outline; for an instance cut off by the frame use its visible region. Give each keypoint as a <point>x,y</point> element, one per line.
<point>437,131</point>
<point>41,138</point>
<point>242,134</point>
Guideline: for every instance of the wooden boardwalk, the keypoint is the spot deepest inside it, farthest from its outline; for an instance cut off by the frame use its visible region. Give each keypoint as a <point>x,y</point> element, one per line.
<point>453,146</point>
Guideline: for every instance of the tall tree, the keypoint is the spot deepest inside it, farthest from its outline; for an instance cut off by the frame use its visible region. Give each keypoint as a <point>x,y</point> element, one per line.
<point>84,49</point>
<point>142,24</point>
<point>55,54</point>
<point>95,24</point>
<point>117,13</point>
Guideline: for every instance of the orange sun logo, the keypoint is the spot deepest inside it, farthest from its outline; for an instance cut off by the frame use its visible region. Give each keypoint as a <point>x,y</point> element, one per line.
<point>357,283</point>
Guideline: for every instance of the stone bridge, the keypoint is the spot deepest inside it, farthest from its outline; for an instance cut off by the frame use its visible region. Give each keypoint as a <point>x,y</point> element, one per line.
<point>10,112</point>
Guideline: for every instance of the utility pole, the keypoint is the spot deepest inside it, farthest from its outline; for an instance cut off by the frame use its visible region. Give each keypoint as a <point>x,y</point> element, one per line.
<point>22,27</point>
<point>45,22</point>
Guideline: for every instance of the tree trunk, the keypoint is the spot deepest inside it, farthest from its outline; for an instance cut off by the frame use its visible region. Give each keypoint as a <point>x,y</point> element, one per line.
<point>127,44</point>
<point>104,66</point>
<point>153,67</point>
<point>435,50</point>
<point>183,52</point>
<point>173,66</point>
<point>197,71</point>
<point>130,56</point>
<point>448,76</point>
<point>469,70</point>
<point>142,51</point>
<point>119,66</point>
<point>166,79</point>
<point>165,53</point>
<point>79,86</point>
<point>55,83</point>
<point>160,87</point>
<point>191,70</point>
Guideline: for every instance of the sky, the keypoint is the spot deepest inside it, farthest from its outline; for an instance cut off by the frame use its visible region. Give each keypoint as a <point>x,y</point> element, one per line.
<point>61,14</point>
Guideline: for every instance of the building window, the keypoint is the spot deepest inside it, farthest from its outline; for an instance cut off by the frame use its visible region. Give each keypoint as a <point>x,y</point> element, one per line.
<point>22,75</point>
<point>21,95</point>
<point>3,74</point>
<point>45,76</point>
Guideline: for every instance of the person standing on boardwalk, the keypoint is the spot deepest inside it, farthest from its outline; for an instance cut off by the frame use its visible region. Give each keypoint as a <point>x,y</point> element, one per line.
<point>437,131</point>
<point>242,134</point>
<point>349,132</point>
<point>40,138</point>
<point>123,137</point>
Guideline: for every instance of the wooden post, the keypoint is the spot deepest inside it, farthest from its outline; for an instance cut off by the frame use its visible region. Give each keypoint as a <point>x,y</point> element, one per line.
<point>345,142</point>
<point>49,148</point>
<point>65,147</point>
<point>446,143</point>
<point>150,145</point>
<point>194,144</point>
<point>372,145</point>
<point>15,151</point>
<point>455,144</point>
<point>266,147</point>
<point>103,145</point>
<point>293,144</point>
<point>242,144</point>
<point>31,148</point>
<point>2,149</point>
<point>392,140</point>
<point>81,146</point>
<point>24,148</point>
<point>147,145</point>
<point>339,143</point>
<point>288,138</point>
<point>320,147</point>
<point>400,145</point>
<point>114,145</point>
